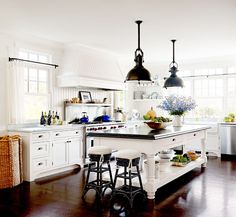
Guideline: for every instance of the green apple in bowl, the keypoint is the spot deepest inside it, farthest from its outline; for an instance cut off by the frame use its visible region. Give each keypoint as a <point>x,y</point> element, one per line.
<point>227,119</point>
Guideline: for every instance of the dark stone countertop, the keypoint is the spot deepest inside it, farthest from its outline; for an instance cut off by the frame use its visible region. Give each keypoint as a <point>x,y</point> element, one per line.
<point>145,132</point>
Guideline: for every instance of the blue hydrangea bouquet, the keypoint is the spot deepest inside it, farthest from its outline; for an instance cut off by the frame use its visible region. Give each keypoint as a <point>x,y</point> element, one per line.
<point>177,105</point>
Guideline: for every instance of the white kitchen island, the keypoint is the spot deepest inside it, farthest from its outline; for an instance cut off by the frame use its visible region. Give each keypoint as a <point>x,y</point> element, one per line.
<point>150,142</point>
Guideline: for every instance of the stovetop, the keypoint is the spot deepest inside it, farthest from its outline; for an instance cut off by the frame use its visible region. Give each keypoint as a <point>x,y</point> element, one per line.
<point>75,121</point>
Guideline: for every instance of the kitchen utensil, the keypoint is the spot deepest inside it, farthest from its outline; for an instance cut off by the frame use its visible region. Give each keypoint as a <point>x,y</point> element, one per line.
<point>85,118</point>
<point>103,118</point>
<point>106,118</point>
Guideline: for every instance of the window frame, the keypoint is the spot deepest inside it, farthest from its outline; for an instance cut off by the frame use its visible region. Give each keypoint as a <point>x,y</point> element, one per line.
<point>38,67</point>
<point>225,98</point>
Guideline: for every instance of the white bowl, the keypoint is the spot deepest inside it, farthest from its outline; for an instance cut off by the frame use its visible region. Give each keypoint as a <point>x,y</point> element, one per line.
<point>166,154</point>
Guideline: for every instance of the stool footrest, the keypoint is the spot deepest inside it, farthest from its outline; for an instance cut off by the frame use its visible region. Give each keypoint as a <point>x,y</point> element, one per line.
<point>126,175</point>
<point>99,170</point>
<point>126,189</point>
<point>102,183</point>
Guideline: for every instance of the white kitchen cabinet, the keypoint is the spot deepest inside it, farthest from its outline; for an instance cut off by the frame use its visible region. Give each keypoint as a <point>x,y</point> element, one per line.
<point>75,150</point>
<point>59,153</point>
<point>212,143</point>
<point>50,152</point>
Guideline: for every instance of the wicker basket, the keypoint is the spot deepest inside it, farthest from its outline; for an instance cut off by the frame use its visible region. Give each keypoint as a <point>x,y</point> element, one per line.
<point>10,161</point>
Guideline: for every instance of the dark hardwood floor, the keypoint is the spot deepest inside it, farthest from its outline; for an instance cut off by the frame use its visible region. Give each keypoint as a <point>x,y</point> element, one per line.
<point>208,193</point>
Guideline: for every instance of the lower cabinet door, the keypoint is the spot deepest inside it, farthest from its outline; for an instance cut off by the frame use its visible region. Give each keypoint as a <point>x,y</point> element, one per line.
<point>74,148</point>
<point>59,153</point>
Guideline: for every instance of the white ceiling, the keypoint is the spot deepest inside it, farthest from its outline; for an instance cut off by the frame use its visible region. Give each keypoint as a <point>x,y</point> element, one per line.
<point>203,28</point>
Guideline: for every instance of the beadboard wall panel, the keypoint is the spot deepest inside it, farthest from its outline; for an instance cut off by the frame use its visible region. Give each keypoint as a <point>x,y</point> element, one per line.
<point>59,95</point>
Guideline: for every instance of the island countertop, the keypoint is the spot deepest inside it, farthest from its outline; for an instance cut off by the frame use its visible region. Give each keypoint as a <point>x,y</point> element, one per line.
<point>145,132</point>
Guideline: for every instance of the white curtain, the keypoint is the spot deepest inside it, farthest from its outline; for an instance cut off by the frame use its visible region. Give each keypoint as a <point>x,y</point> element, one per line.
<point>15,87</point>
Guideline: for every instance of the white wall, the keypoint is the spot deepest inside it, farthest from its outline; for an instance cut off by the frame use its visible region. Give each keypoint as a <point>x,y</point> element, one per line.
<point>8,47</point>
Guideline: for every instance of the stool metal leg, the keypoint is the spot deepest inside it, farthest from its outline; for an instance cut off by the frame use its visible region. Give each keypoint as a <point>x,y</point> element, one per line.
<point>130,180</point>
<point>117,170</point>
<point>87,181</point>
<point>97,173</point>
<point>110,174</point>
<point>125,176</point>
<point>139,178</point>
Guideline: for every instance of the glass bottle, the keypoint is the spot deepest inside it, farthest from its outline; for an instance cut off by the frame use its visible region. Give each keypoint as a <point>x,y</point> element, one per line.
<point>49,121</point>
<point>53,118</point>
<point>42,119</point>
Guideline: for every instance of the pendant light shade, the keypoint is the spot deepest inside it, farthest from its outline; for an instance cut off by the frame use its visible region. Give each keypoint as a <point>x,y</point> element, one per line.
<point>173,80</point>
<point>138,73</point>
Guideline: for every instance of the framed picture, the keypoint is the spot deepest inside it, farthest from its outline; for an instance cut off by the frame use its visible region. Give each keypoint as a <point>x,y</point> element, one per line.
<point>85,96</point>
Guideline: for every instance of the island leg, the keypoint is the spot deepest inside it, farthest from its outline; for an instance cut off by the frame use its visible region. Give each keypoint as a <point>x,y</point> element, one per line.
<point>203,150</point>
<point>150,185</point>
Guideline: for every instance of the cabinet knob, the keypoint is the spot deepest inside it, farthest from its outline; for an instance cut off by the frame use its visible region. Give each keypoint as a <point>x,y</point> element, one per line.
<point>39,164</point>
<point>40,136</point>
<point>40,148</point>
<point>68,141</point>
<point>194,134</point>
<point>57,134</point>
<point>76,132</point>
<point>173,139</point>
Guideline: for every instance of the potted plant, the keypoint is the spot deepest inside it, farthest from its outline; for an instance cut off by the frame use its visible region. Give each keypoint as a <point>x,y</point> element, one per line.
<point>177,106</point>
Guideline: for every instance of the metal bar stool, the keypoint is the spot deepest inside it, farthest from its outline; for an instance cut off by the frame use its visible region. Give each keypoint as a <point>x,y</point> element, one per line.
<point>128,159</point>
<point>99,155</point>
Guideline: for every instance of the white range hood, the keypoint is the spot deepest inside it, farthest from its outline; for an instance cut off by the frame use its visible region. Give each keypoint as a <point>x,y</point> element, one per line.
<point>87,67</point>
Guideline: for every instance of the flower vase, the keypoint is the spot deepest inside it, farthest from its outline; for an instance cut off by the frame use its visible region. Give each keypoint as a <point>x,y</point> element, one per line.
<point>177,121</point>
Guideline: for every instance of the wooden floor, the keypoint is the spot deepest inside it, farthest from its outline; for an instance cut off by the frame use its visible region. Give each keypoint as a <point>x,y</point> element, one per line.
<point>209,193</point>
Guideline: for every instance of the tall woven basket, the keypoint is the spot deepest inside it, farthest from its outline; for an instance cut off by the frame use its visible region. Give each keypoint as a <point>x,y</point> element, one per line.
<point>10,161</point>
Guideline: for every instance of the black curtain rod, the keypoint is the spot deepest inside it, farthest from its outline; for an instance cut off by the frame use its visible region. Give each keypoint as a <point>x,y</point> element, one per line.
<point>30,61</point>
<point>195,76</point>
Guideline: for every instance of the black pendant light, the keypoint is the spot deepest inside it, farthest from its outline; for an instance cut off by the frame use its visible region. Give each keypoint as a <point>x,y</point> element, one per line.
<point>138,73</point>
<point>173,80</point>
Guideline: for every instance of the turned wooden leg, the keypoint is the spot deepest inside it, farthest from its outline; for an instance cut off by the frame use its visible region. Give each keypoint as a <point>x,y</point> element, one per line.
<point>203,150</point>
<point>150,185</point>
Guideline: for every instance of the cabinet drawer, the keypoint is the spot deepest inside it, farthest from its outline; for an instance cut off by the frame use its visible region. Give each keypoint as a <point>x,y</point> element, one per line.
<point>77,133</point>
<point>61,134</point>
<point>40,149</point>
<point>66,133</point>
<point>41,164</point>
<point>172,140</point>
<point>195,135</point>
<point>44,136</point>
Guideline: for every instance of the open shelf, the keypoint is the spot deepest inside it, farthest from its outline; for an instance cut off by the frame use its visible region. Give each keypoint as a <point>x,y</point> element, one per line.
<point>167,173</point>
<point>89,104</point>
<point>151,100</point>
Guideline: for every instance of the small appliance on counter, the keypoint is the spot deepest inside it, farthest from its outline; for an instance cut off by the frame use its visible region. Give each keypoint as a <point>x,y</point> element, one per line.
<point>118,114</point>
<point>103,118</point>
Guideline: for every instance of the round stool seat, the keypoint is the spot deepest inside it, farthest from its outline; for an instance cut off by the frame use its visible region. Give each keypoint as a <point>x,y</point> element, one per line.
<point>99,150</point>
<point>128,154</point>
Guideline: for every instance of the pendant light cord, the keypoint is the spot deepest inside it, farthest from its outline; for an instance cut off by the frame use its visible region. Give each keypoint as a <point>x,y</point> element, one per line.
<point>173,41</point>
<point>139,49</point>
<point>139,22</point>
<point>173,63</point>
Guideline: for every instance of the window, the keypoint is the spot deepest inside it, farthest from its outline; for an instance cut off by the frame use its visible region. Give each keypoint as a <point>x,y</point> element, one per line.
<point>36,86</point>
<point>215,95</point>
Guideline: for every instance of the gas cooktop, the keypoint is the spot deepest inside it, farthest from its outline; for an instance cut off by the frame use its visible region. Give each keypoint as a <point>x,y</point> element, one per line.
<point>77,121</point>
